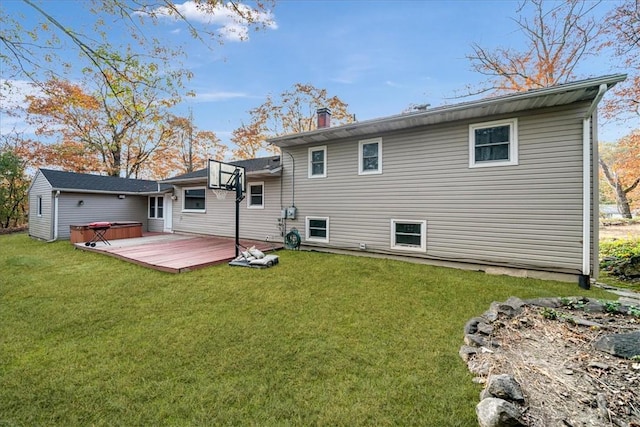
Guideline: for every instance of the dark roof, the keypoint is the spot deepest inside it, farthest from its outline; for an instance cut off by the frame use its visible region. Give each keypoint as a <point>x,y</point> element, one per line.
<point>61,180</point>
<point>260,164</point>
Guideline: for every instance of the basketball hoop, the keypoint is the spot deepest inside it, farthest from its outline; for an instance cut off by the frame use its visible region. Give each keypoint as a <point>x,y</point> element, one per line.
<point>220,194</point>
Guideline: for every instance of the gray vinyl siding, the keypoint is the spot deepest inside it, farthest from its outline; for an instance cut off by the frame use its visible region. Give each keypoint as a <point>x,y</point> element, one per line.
<point>41,227</point>
<point>99,207</point>
<point>219,218</point>
<point>527,215</point>
<point>155,225</point>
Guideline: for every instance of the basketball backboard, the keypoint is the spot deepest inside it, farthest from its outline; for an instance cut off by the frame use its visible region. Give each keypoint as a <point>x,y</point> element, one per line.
<point>222,176</point>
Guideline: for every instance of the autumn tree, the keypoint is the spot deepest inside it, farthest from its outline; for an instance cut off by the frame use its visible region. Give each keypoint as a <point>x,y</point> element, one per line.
<point>557,38</point>
<point>620,165</point>
<point>293,111</point>
<point>13,189</point>
<point>108,134</point>
<point>188,148</point>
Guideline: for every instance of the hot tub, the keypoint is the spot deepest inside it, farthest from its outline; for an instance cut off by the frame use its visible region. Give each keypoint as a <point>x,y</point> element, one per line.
<point>118,230</point>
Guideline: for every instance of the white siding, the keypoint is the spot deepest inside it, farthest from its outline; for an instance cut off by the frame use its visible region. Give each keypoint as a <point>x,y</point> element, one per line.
<point>219,218</point>
<point>41,227</point>
<point>527,215</point>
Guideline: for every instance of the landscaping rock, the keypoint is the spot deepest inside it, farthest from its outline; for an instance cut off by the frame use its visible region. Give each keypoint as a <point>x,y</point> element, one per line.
<point>504,387</point>
<point>494,412</point>
<point>466,352</point>
<point>545,302</point>
<point>621,345</point>
<point>471,327</point>
<point>474,340</point>
<point>485,329</point>
<point>629,267</point>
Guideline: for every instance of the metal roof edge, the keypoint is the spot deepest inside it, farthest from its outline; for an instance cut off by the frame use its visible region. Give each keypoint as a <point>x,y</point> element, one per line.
<point>609,80</point>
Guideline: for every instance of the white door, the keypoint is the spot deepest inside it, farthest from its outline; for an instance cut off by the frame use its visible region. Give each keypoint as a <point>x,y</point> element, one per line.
<point>168,214</point>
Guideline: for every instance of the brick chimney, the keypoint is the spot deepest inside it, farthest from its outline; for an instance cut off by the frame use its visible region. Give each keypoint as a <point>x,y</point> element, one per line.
<point>324,118</point>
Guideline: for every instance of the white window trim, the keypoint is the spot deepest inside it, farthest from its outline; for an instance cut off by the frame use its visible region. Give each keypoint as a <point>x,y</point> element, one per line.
<point>249,185</point>
<point>360,156</point>
<point>423,237</point>
<point>155,198</point>
<point>39,207</point>
<point>184,189</point>
<point>310,158</point>
<point>513,143</point>
<point>307,231</point>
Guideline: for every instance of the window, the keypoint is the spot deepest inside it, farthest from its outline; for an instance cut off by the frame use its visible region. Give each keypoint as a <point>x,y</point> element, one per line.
<point>156,208</point>
<point>408,235</point>
<point>318,162</point>
<point>193,200</point>
<point>256,195</point>
<point>317,229</point>
<point>493,143</point>
<point>370,156</point>
<point>39,205</point>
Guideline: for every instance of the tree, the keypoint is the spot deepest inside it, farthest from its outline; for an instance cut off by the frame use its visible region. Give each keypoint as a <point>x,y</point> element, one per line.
<point>33,52</point>
<point>293,112</point>
<point>558,38</point>
<point>622,31</point>
<point>620,164</point>
<point>108,134</point>
<point>187,150</point>
<point>13,189</point>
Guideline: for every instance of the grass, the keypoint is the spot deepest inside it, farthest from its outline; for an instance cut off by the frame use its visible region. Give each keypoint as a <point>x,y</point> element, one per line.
<point>320,339</point>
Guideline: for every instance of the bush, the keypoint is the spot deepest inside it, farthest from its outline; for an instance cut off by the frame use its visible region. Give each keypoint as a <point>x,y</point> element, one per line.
<point>621,257</point>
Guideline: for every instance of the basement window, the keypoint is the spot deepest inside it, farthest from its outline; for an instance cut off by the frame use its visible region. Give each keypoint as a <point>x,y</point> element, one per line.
<point>317,229</point>
<point>409,235</point>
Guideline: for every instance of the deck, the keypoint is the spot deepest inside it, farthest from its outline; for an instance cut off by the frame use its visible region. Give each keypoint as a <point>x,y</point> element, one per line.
<point>176,253</point>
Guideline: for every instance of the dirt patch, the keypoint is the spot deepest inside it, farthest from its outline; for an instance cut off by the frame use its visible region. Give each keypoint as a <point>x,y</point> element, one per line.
<point>13,230</point>
<point>620,231</point>
<point>565,381</point>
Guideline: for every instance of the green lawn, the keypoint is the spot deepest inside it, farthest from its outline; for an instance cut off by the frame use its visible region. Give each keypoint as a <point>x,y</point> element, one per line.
<point>319,339</point>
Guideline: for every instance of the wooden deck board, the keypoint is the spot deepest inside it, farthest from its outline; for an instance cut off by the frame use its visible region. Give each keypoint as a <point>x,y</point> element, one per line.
<point>179,254</point>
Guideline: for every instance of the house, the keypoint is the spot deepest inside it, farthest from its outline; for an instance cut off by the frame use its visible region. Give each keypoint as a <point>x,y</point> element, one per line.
<point>507,182</point>
<point>60,199</point>
<point>196,209</point>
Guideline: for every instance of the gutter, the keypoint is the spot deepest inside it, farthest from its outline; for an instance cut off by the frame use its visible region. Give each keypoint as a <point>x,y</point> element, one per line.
<point>587,143</point>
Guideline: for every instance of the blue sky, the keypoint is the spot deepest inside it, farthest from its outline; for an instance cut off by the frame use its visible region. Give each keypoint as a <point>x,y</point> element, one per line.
<point>377,56</point>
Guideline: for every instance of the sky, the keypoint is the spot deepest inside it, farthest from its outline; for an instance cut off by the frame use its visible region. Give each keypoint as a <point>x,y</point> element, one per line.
<point>378,56</point>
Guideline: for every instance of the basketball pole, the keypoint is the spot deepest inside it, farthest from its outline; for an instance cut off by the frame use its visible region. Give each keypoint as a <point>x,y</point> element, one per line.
<point>239,198</point>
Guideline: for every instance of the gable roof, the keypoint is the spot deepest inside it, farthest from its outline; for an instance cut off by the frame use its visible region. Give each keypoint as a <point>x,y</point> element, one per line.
<point>255,166</point>
<point>82,182</point>
<point>563,94</point>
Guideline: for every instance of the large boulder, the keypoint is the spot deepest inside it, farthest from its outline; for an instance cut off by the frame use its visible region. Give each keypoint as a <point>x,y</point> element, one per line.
<point>621,345</point>
<point>503,386</point>
<point>494,412</point>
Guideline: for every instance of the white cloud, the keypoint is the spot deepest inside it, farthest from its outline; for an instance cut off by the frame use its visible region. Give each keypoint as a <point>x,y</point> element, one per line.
<point>13,102</point>
<point>356,65</point>
<point>14,92</point>
<point>232,26</point>
<point>219,96</point>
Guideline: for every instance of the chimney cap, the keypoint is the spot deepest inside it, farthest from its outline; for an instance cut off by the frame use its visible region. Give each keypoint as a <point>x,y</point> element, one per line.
<point>323,110</point>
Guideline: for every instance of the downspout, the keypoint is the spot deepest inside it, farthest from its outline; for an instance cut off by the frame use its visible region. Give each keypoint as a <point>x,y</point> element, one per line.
<point>584,280</point>
<point>55,217</point>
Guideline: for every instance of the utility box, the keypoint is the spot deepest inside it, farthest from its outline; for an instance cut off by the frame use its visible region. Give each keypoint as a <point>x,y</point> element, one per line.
<point>291,212</point>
